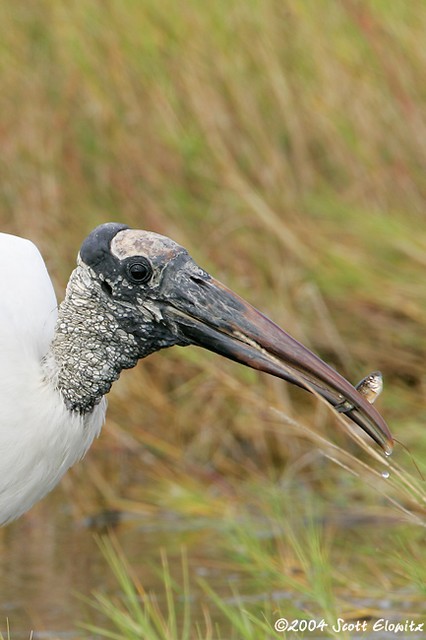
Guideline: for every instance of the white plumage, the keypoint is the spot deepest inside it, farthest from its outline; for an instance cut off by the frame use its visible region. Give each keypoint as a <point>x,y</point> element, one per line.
<point>39,438</point>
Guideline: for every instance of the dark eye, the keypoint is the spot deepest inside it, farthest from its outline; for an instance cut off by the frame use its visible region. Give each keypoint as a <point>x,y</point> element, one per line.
<point>139,271</point>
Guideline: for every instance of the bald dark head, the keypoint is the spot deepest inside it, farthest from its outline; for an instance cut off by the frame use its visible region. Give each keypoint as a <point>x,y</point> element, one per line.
<point>97,245</point>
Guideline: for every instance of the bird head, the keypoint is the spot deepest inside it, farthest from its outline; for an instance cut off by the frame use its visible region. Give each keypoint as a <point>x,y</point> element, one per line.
<point>157,296</point>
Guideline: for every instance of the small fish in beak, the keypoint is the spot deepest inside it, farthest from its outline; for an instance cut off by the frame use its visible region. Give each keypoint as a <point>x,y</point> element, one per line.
<point>370,387</point>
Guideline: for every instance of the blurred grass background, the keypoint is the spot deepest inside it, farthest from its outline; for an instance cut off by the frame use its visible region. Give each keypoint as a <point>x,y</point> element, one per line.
<point>283,143</point>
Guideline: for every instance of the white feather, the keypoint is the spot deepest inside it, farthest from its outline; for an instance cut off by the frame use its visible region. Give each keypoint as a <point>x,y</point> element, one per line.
<point>39,438</point>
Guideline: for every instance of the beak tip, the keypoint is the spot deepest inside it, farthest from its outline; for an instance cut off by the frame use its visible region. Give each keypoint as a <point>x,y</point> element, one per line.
<point>388,447</point>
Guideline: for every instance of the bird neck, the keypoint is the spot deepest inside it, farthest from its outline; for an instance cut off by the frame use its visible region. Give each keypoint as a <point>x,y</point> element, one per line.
<point>89,350</point>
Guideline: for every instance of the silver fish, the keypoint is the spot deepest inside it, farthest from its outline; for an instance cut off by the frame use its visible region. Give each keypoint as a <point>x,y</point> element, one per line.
<point>370,387</point>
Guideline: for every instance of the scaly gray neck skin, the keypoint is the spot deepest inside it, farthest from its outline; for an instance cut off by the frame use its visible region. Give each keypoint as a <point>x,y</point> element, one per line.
<point>89,349</point>
<point>91,345</point>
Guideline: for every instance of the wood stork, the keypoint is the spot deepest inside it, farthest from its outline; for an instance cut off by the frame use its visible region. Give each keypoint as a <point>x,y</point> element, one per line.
<point>132,293</point>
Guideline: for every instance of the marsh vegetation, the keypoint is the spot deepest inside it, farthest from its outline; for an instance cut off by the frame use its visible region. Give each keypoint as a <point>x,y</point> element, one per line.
<point>284,144</point>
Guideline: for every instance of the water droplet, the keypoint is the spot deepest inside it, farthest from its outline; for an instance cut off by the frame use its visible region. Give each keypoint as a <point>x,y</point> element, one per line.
<point>388,451</point>
<point>385,474</point>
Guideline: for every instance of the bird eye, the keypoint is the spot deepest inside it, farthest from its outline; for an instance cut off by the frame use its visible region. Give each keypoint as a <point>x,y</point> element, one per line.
<point>139,272</point>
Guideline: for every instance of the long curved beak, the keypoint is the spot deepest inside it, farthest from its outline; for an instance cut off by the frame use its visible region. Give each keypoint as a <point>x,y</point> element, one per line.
<point>209,315</point>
